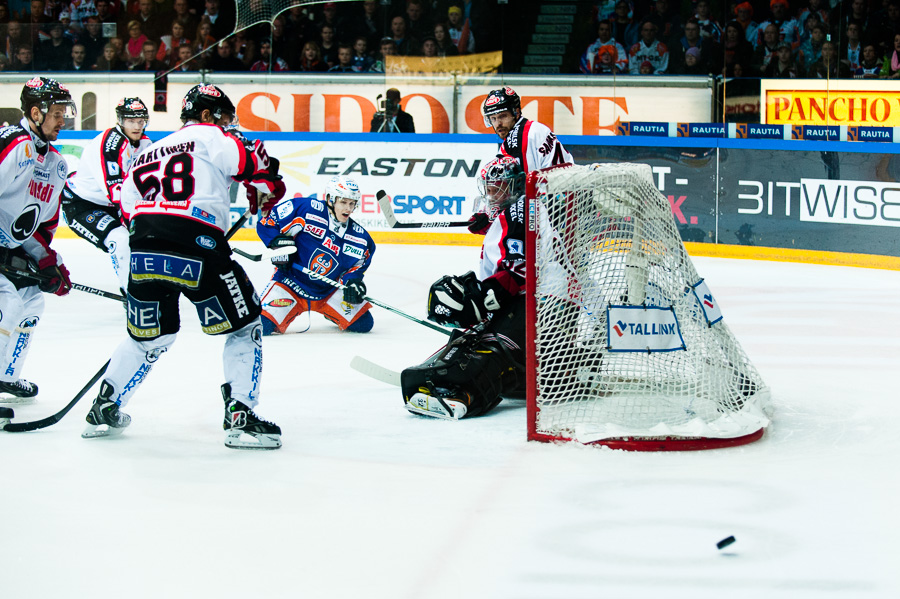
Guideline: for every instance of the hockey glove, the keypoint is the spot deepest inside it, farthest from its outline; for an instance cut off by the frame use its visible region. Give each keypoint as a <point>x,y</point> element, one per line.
<point>479,223</point>
<point>283,263</point>
<point>355,291</point>
<point>58,282</point>
<point>459,301</point>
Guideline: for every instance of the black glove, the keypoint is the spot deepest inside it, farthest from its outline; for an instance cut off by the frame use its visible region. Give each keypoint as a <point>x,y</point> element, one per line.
<point>459,301</point>
<point>283,263</point>
<point>479,223</point>
<point>355,291</point>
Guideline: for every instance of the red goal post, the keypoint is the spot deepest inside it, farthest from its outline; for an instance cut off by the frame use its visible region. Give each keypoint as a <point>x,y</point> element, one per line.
<point>626,346</point>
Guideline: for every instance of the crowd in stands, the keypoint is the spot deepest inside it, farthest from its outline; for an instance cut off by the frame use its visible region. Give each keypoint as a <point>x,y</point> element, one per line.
<point>758,38</point>
<point>189,35</point>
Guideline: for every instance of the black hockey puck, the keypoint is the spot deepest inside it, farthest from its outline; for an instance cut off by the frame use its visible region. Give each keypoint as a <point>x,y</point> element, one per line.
<point>725,542</point>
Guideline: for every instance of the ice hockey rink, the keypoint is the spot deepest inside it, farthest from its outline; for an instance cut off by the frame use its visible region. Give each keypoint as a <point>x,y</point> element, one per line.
<point>367,501</point>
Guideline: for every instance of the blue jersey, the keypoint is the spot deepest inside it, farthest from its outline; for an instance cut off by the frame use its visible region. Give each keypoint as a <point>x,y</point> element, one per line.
<point>338,252</point>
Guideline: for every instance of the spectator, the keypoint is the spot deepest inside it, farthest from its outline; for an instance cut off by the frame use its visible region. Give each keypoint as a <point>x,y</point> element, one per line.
<point>78,62</point>
<point>690,39</point>
<point>418,25</point>
<point>268,63</point>
<point>445,46</point>
<point>204,39</point>
<point>119,44</point>
<point>4,62</point>
<point>148,59</point>
<point>668,25</point>
<point>625,29</point>
<point>460,31</point>
<point>387,48</point>
<point>16,36</point>
<point>766,51</point>
<point>590,60</point>
<point>370,23</point>
<point>221,24</point>
<point>788,27</point>
<point>34,22</point>
<point>429,47</point>
<point>244,48</point>
<point>709,27</point>
<point>70,32</point>
<point>882,33</point>
<point>110,60</point>
<point>311,59</point>
<point>92,39</point>
<point>891,66</point>
<point>186,62</point>
<point>24,60</point>
<point>693,64</point>
<point>4,12</point>
<point>327,45</point>
<point>345,60</point>
<point>811,50</point>
<point>646,68</point>
<point>404,43</point>
<point>871,63</point>
<point>783,65</point>
<point>54,53</point>
<point>150,23</point>
<point>829,65</point>
<point>330,17</point>
<point>135,45</point>
<point>841,17</point>
<point>224,60</point>
<point>392,118</point>
<point>851,47</point>
<point>181,12</point>
<point>648,49</point>
<point>744,16</point>
<point>362,62</point>
<point>737,50</point>
<point>168,44</point>
<point>105,12</point>
<point>814,7</point>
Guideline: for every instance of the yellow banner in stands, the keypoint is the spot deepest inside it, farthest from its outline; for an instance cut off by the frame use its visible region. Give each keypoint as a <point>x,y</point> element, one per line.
<point>469,64</point>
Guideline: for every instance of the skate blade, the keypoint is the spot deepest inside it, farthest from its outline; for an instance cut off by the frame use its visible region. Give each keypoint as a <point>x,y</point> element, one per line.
<point>96,431</point>
<point>3,423</point>
<point>17,401</point>
<point>237,439</point>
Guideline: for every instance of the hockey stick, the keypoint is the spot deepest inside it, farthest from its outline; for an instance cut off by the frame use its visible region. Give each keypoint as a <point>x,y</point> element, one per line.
<point>385,203</point>
<point>20,427</point>
<point>39,277</point>
<point>373,370</point>
<point>267,254</point>
<point>325,279</point>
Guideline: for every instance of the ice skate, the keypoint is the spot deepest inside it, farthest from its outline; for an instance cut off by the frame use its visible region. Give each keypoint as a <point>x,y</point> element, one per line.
<point>105,419</point>
<point>6,414</point>
<point>244,429</point>
<point>438,406</point>
<point>17,392</point>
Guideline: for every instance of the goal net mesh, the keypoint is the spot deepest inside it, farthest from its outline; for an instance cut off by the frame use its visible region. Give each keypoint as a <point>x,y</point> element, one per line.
<point>627,341</point>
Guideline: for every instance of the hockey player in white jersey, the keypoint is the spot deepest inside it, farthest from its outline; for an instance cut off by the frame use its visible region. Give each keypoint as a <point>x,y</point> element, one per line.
<point>531,143</point>
<point>33,173</point>
<point>176,200</point>
<point>90,199</point>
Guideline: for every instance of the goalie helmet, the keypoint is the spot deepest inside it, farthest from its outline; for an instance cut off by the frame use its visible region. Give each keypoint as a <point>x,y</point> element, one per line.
<point>206,97</point>
<point>131,108</point>
<point>499,100</point>
<point>341,187</point>
<point>44,92</point>
<point>501,182</point>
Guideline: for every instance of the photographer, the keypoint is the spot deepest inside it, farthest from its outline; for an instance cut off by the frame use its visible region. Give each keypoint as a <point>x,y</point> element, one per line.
<point>392,118</point>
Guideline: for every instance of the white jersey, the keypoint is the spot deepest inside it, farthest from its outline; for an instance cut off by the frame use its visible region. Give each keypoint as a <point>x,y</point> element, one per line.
<point>187,175</point>
<point>104,162</point>
<point>33,173</point>
<point>534,145</point>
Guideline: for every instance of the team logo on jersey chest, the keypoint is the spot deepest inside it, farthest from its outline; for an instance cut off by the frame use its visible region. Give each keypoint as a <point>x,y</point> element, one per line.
<point>321,264</point>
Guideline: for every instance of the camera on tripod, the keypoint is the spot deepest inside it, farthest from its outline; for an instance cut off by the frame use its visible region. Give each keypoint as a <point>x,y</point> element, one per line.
<point>387,114</point>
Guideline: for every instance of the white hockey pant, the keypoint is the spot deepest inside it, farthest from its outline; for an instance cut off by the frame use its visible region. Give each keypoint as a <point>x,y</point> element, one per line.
<point>242,360</point>
<point>20,311</point>
<point>120,254</point>
<point>131,363</point>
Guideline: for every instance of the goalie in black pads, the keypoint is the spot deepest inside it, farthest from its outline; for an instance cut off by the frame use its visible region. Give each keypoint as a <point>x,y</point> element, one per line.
<point>471,374</point>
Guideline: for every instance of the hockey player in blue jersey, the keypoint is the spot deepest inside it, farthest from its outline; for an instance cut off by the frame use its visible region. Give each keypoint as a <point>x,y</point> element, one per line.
<point>330,244</point>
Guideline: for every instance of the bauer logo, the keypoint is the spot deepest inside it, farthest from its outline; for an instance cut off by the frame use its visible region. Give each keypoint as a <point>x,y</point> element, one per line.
<point>643,329</point>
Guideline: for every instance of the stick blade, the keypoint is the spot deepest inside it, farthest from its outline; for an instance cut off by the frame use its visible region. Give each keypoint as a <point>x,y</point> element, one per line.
<point>384,202</point>
<point>373,370</point>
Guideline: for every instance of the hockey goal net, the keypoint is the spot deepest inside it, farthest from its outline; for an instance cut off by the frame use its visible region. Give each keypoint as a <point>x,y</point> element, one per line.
<point>626,344</point>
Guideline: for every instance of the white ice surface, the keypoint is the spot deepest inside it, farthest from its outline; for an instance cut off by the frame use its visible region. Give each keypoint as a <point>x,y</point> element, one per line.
<point>367,501</point>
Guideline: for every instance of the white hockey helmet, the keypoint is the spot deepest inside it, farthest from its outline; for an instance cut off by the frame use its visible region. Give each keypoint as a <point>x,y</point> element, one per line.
<point>341,187</point>
<point>501,181</point>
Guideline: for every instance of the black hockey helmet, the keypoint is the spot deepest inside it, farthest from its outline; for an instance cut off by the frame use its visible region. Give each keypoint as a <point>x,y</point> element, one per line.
<point>44,92</point>
<point>131,108</point>
<point>499,100</point>
<point>206,97</point>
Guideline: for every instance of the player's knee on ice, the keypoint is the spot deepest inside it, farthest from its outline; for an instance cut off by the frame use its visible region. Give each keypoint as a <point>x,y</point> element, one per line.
<point>363,324</point>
